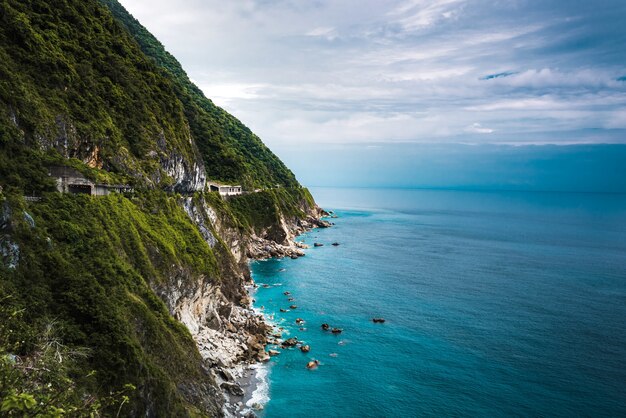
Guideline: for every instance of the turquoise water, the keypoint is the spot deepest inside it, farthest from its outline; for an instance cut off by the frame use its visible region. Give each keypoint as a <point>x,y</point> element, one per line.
<point>497,304</point>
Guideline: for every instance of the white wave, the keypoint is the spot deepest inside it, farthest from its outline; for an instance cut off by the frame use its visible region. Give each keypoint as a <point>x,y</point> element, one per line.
<point>261,394</point>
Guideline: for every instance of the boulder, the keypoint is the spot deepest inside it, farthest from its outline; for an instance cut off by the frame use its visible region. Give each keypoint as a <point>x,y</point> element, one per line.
<point>317,244</point>
<point>273,353</point>
<point>291,342</point>
<point>299,321</point>
<point>232,388</point>
<point>378,320</point>
<point>305,348</point>
<point>312,364</point>
<point>337,331</point>
<point>325,327</point>
<point>293,307</point>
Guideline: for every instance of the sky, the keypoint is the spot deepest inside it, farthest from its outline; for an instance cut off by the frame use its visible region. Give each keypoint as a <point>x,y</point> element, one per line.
<point>345,75</point>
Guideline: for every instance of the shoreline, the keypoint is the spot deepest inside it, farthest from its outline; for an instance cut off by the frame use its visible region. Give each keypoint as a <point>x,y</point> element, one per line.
<point>246,387</point>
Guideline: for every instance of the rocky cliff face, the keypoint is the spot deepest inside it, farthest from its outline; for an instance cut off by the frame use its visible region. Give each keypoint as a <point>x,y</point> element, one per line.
<point>228,332</point>
<point>86,86</point>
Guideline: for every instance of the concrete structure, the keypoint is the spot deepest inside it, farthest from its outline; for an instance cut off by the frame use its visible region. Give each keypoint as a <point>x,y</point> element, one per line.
<point>70,180</point>
<point>225,190</point>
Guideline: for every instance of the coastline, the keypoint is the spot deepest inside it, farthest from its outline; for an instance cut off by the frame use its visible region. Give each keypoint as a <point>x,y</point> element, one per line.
<point>245,383</point>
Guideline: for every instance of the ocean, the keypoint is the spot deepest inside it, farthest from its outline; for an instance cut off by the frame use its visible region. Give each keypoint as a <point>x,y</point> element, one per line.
<point>496,304</point>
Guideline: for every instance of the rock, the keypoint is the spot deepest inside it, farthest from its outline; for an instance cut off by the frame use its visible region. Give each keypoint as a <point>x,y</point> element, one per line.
<point>312,364</point>
<point>317,244</point>
<point>225,374</point>
<point>273,353</point>
<point>291,342</point>
<point>232,388</point>
<point>293,307</point>
<point>337,331</point>
<point>378,320</point>
<point>325,327</point>
<point>250,414</point>
<point>264,357</point>
<point>266,286</point>
<point>283,310</point>
<point>290,299</point>
<point>299,321</point>
<point>29,219</point>
<point>305,348</point>
<point>286,293</point>
<point>335,244</point>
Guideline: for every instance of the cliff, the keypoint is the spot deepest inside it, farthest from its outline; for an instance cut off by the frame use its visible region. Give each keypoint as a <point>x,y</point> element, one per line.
<point>133,304</point>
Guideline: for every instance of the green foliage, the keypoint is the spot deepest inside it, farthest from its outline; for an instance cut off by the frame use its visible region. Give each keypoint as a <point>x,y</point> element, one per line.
<point>261,210</point>
<point>91,264</point>
<point>45,380</point>
<point>71,78</point>
<point>231,152</point>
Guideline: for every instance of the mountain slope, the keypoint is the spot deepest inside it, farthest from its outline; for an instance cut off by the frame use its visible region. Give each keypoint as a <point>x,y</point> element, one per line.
<point>230,150</point>
<point>131,304</point>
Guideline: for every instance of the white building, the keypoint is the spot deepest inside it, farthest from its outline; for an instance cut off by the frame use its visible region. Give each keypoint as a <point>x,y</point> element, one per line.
<point>225,189</point>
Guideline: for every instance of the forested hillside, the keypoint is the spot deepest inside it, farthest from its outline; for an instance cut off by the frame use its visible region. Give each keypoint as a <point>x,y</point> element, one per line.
<point>105,301</point>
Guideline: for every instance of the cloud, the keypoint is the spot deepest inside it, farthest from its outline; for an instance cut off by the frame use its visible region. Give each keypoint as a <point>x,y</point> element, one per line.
<point>419,14</point>
<point>376,71</point>
<point>477,128</point>
<point>323,32</point>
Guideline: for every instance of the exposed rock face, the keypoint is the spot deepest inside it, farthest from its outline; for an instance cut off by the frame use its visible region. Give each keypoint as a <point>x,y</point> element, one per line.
<point>220,315</point>
<point>9,250</point>
<point>187,176</point>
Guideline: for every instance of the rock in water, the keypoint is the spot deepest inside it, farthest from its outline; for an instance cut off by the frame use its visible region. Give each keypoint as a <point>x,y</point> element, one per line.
<point>317,244</point>
<point>312,364</point>
<point>325,327</point>
<point>273,353</point>
<point>378,320</point>
<point>335,244</point>
<point>291,342</point>
<point>293,307</point>
<point>305,348</point>
<point>337,331</point>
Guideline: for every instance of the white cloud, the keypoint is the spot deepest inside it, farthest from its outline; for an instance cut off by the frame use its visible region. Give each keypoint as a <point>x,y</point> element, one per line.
<point>477,128</point>
<point>419,14</point>
<point>394,70</point>
<point>323,32</point>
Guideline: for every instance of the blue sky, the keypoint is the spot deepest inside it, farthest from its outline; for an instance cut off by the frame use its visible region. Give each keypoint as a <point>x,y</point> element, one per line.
<point>384,71</point>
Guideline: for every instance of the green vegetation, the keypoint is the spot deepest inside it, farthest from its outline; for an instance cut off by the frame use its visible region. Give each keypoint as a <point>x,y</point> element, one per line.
<point>258,211</point>
<point>231,152</point>
<point>72,79</point>
<point>47,381</point>
<point>103,90</point>
<point>89,265</point>
<point>82,330</point>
